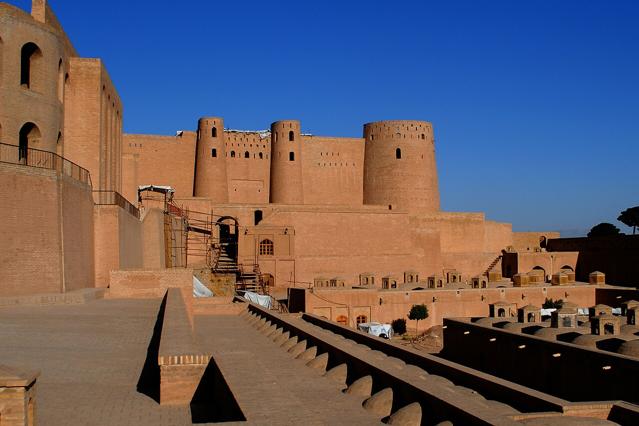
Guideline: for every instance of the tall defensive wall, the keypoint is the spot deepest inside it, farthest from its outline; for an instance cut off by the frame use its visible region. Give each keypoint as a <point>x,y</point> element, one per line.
<point>399,165</point>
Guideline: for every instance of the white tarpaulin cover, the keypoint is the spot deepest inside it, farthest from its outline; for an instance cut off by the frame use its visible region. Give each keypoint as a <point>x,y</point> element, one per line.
<point>199,289</point>
<point>259,299</point>
<point>376,328</point>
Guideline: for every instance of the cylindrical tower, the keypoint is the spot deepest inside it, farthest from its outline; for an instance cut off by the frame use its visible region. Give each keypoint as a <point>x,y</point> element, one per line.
<point>210,161</point>
<point>286,163</point>
<point>399,165</point>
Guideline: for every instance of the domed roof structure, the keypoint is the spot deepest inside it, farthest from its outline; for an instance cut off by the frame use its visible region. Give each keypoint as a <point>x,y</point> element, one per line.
<point>630,348</point>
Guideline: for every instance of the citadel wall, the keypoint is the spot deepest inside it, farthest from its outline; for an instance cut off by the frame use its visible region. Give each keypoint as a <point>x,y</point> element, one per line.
<point>118,242</point>
<point>93,123</point>
<point>47,231</point>
<point>387,305</point>
<point>159,160</point>
<point>332,170</point>
<point>248,166</point>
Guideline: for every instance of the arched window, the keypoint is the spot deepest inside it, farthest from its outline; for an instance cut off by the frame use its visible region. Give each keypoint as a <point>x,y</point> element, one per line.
<point>423,136</point>
<point>291,156</point>
<point>531,317</point>
<point>261,155</point>
<point>266,248</point>
<point>258,216</point>
<point>213,152</point>
<point>568,268</point>
<point>361,319</point>
<point>232,154</point>
<point>29,135</point>
<point>609,328</point>
<point>501,312</point>
<point>60,82</point>
<point>31,67</point>
<point>246,154</point>
<point>214,132</point>
<point>342,320</point>
<point>58,148</point>
<point>291,136</point>
<point>398,153</point>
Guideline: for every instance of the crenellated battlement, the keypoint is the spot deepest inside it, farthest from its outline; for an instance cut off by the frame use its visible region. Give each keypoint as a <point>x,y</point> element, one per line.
<point>392,164</point>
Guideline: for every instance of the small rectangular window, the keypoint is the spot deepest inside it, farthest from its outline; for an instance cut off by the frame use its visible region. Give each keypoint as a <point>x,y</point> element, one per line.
<point>291,156</point>
<point>214,152</point>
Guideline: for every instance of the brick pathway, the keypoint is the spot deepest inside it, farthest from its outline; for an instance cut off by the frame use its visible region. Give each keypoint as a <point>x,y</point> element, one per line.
<point>270,386</point>
<point>91,357</point>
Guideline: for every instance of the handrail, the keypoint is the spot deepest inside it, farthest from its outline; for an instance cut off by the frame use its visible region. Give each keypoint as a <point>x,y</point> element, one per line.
<point>102,197</point>
<point>31,157</point>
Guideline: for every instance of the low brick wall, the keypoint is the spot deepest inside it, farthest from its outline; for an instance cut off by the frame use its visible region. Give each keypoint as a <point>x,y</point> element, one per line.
<point>182,362</point>
<point>568,371</point>
<point>148,283</point>
<point>520,397</point>
<point>388,372</point>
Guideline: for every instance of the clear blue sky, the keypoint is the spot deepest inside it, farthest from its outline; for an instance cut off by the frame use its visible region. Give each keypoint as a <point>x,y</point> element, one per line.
<point>535,104</point>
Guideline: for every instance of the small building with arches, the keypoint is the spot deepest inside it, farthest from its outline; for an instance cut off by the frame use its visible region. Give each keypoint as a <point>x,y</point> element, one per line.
<point>529,314</point>
<point>605,325</point>
<point>502,310</point>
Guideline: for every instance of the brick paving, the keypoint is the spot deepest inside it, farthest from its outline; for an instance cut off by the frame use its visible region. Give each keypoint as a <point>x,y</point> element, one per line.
<point>91,357</point>
<point>270,385</point>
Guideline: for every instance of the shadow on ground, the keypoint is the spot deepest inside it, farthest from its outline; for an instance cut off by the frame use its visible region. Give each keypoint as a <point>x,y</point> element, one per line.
<point>149,381</point>
<point>213,400</point>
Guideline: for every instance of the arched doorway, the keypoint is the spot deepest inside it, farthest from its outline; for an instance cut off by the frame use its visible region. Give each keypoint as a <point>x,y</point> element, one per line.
<point>228,236</point>
<point>258,215</point>
<point>29,136</point>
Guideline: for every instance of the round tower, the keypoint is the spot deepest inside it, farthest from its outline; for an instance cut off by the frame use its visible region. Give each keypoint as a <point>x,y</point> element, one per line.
<point>286,163</point>
<point>210,161</point>
<point>399,165</point>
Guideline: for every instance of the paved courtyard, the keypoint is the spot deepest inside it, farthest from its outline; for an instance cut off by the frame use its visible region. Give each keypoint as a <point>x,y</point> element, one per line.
<point>91,357</point>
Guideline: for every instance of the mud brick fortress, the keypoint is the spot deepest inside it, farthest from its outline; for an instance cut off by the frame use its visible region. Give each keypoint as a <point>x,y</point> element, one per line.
<point>276,209</point>
<point>306,206</point>
<point>337,231</point>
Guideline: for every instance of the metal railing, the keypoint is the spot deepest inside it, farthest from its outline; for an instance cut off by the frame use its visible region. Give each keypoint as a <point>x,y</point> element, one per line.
<point>103,197</point>
<point>14,154</point>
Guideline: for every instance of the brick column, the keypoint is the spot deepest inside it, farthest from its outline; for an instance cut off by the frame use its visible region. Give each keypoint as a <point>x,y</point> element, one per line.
<point>17,396</point>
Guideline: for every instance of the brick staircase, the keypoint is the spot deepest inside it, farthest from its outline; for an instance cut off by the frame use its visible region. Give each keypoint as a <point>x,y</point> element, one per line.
<point>223,263</point>
<point>492,264</point>
<point>249,279</point>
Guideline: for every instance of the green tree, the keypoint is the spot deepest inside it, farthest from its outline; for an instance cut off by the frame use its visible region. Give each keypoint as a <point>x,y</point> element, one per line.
<point>603,229</point>
<point>630,217</point>
<point>549,304</point>
<point>399,326</point>
<point>418,312</point>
